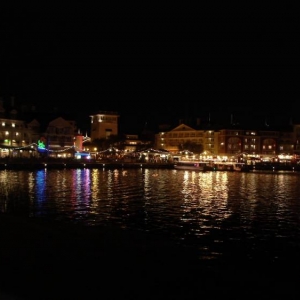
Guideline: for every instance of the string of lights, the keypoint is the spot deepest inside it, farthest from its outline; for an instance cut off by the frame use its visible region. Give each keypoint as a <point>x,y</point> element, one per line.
<point>40,145</point>
<point>35,145</point>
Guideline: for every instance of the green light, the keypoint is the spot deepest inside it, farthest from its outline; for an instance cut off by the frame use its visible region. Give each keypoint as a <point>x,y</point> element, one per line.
<point>41,144</point>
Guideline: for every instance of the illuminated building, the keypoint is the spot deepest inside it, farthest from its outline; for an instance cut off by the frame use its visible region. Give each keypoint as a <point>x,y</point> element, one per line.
<point>104,124</point>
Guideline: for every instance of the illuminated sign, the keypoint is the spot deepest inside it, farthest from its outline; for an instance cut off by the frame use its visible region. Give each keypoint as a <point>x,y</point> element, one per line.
<point>42,144</point>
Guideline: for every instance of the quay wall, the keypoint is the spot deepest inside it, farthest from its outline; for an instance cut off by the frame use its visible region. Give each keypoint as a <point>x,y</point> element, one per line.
<point>81,165</point>
<point>71,164</point>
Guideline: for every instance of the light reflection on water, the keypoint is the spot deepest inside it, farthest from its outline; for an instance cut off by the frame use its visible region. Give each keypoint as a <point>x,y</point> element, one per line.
<point>214,210</point>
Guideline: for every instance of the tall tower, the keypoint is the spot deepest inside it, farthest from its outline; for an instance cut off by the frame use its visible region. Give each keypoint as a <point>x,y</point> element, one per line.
<point>78,142</point>
<point>104,124</point>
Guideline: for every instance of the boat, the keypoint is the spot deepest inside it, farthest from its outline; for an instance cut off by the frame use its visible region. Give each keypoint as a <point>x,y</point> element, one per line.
<point>190,165</point>
<point>223,166</point>
<point>231,166</point>
<point>240,167</point>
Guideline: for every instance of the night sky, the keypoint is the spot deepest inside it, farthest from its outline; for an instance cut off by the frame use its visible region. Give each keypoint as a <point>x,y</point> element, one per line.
<point>152,64</point>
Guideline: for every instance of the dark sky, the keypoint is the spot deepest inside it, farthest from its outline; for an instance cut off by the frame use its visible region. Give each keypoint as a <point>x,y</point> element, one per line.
<point>152,64</point>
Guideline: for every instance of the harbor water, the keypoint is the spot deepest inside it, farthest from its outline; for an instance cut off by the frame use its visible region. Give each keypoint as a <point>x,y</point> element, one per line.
<point>226,218</point>
<point>261,211</point>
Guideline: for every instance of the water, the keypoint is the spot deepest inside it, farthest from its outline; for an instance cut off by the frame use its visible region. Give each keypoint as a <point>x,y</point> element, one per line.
<point>222,214</point>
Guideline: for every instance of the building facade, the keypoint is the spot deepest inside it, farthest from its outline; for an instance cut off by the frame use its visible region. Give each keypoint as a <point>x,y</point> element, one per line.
<point>15,138</point>
<point>174,139</point>
<point>103,125</point>
<point>60,138</point>
<point>233,143</point>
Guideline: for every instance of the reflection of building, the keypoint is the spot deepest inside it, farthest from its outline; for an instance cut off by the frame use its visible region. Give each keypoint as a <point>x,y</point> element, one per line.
<point>104,124</point>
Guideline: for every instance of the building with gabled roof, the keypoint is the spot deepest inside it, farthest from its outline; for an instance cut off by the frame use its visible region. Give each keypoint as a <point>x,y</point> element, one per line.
<point>59,137</point>
<point>173,139</point>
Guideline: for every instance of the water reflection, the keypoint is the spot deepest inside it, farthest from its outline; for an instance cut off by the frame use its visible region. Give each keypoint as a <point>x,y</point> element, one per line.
<point>37,189</point>
<point>218,208</point>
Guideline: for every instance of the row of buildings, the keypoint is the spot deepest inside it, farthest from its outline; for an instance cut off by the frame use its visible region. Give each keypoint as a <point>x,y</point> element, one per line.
<point>60,137</point>
<point>235,143</point>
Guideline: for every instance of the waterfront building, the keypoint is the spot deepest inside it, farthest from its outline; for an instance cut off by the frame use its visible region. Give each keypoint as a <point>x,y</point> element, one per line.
<point>60,137</point>
<point>234,143</point>
<point>296,139</point>
<point>263,144</point>
<point>173,140</point>
<point>19,135</point>
<point>14,137</point>
<point>131,142</point>
<point>104,124</point>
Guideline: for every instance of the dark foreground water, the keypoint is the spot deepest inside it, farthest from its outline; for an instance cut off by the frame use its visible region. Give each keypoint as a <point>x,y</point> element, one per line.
<point>149,234</point>
<point>222,214</point>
